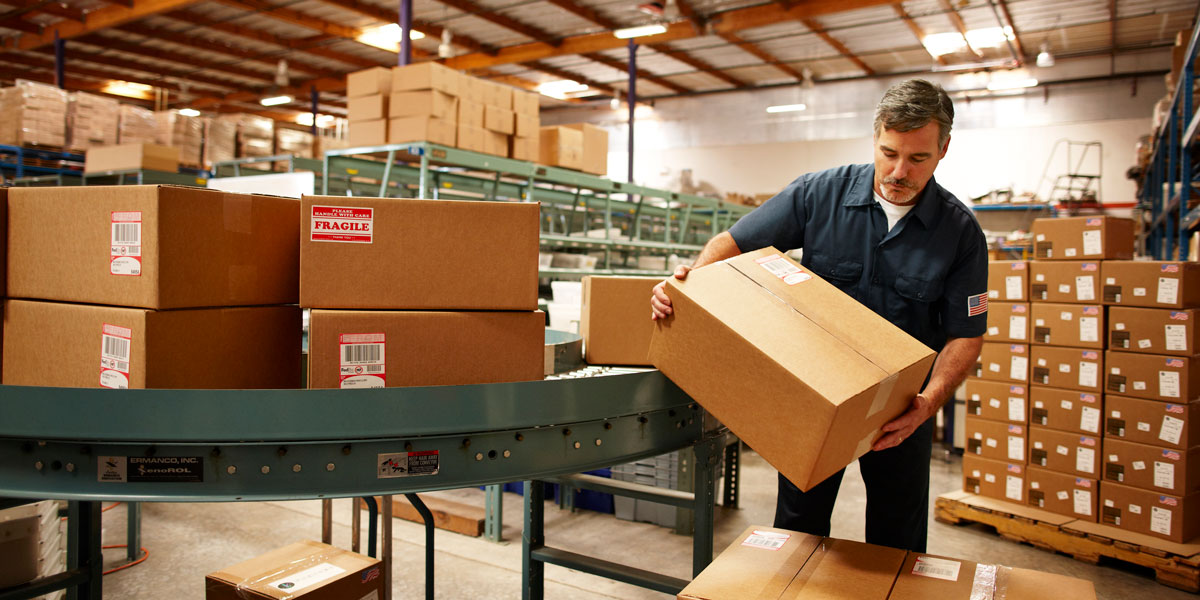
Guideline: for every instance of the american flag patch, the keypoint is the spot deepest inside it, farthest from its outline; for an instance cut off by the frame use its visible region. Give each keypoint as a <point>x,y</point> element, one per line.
<point>1093,222</point>
<point>1015,429</point>
<point>1087,398</point>
<point>1087,441</point>
<point>1091,310</point>
<point>1169,268</point>
<point>1016,389</point>
<point>1174,362</point>
<point>1018,266</point>
<point>1091,355</point>
<point>1016,349</point>
<point>1170,454</point>
<point>1179,316</point>
<point>369,575</point>
<point>1018,308</point>
<point>1090,266</point>
<point>977,304</point>
<point>1080,482</point>
<point>1014,469</point>
<point>1174,408</point>
<point>1169,501</point>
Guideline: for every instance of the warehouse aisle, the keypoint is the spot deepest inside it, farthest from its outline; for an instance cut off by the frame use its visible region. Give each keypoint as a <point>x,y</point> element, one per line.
<point>186,541</point>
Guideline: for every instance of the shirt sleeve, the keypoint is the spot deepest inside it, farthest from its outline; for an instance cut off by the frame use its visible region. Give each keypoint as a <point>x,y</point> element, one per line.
<point>779,222</point>
<point>964,301</point>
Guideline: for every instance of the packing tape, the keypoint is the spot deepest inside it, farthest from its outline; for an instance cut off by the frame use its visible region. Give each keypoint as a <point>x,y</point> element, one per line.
<point>990,583</point>
<point>882,393</point>
<point>864,445</point>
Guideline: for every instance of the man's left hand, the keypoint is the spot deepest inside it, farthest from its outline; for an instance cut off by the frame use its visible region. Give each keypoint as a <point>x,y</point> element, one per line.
<point>903,426</point>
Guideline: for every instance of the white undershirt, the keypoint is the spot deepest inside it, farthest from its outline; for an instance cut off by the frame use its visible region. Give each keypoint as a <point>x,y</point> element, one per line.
<point>894,212</point>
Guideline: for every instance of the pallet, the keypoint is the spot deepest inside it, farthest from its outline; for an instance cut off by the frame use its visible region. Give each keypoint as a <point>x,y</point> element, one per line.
<point>447,514</point>
<point>1175,565</point>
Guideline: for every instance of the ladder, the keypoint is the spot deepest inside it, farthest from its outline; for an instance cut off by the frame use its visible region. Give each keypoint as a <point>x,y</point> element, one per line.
<point>1080,185</point>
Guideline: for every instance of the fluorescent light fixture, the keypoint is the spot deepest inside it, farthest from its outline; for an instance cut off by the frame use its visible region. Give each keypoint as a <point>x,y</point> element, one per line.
<point>782,108</point>
<point>129,89</point>
<point>275,100</point>
<point>1013,84</point>
<point>306,119</point>
<point>644,30</point>
<point>189,112</point>
<point>939,44</point>
<point>1045,58</point>
<point>387,37</point>
<point>559,89</point>
<point>989,37</point>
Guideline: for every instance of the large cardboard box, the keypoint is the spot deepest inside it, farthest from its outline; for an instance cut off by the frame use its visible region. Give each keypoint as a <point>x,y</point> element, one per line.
<point>1064,281</point>
<point>423,103</point>
<point>303,571</point>
<point>128,157</point>
<point>1083,238</point>
<point>1069,453</point>
<point>760,563</point>
<point>1164,516</point>
<point>527,125</point>
<point>1063,494</point>
<point>1153,330</point>
<point>152,246</point>
<point>1164,470</point>
<point>1154,377</point>
<point>1066,410</point>
<point>83,345</point>
<point>1003,362</point>
<point>422,129</point>
<point>995,440</point>
<point>1151,284</point>
<point>426,76</point>
<point>526,103</point>
<point>527,149</point>
<point>997,401</point>
<point>20,534</point>
<point>497,95</point>
<point>376,80</point>
<point>561,147</point>
<point>595,148</point>
<point>826,373</point>
<point>926,577</point>
<point>395,253</point>
<point>367,108</point>
<point>842,569</point>
<point>352,349</point>
<point>470,138</point>
<point>1008,280</point>
<point>494,143</point>
<point>3,242</point>
<point>1068,368</point>
<point>500,120</point>
<point>997,479</point>
<point>373,132</point>
<point>1008,322</point>
<point>615,326</point>
<point>1152,422</point>
<point>1074,325</point>
<point>470,113</point>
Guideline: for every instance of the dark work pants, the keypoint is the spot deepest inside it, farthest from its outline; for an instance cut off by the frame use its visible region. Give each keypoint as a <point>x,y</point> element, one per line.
<point>897,482</point>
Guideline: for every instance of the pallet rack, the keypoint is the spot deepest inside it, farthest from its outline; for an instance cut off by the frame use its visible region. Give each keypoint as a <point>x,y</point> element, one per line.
<point>21,161</point>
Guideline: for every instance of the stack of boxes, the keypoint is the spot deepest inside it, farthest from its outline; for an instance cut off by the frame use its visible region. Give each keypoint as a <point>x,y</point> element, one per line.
<point>91,121</point>
<point>136,125</point>
<point>367,95</point>
<point>182,132</point>
<point>35,114</point>
<point>255,136</point>
<point>293,142</point>
<point>423,105</point>
<point>579,146</point>
<point>31,541</point>
<point>220,139</point>
<point>525,143</point>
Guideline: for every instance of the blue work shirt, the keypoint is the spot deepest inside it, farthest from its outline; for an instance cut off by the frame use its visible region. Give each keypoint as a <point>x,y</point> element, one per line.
<point>928,275</point>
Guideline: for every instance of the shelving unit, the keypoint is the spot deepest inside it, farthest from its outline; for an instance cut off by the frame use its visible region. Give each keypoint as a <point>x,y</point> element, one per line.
<point>186,176</point>
<point>19,161</point>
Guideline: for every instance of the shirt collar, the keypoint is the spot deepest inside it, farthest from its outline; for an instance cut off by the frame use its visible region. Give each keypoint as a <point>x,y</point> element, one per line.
<point>862,193</point>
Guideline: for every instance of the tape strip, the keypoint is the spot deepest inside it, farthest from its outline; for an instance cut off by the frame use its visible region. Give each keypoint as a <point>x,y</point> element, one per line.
<point>983,587</point>
<point>882,393</point>
<point>864,445</point>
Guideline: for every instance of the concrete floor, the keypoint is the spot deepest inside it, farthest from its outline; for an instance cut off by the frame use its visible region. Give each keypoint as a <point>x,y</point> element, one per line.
<point>186,541</point>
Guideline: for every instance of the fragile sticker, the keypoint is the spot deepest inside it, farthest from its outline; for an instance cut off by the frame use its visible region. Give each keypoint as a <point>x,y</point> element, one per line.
<point>783,269</point>
<point>362,358</point>
<point>342,224</point>
<point>115,343</point>
<point>767,540</point>
<point>125,250</point>
<point>406,464</point>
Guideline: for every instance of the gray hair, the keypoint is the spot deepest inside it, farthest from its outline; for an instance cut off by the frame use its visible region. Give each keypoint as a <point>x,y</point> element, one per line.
<point>912,104</point>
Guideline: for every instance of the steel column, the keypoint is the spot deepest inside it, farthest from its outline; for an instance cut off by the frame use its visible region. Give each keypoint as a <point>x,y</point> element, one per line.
<point>632,100</point>
<point>533,537</point>
<point>386,550</point>
<point>60,51</point>
<point>133,531</point>
<point>83,548</point>
<point>316,97</point>
<point>493,522</point>
<point>406,11</point>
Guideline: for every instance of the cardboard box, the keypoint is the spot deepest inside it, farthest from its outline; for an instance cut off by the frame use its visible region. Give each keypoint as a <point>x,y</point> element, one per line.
<point>527,125</point>
<point>1163,516</point>
<point>83,345</point>
<point>367,133</point>
<point>526,103</point>
<point>20,534</point>
<point>152,246</point>
<point>426,76</point>
<point>1069,453</point>
<point>415,253</point>
<point>500,120</point>
<point>1066,410</point>
<point>470,113</point>
<point>4,242</point>
<point>1061,494</point>
<point>127,157</point>
<point>1083,238</point>
<point>527,149</point>
<point>367,82</point>
<point>353,349</point>
<point>497,95</point>
<point>1074,325</point>
<point>304,570</point>
<point>421,129</point>
<point>760,562</point>
<point>1154,377</point>
<point>1152,422</point>
<point>470,138</point>
<point>997,479</point>
<point>595,148</point>
<point>846,569</point>
<point>1068,368</point>
<point>1003,362</point>
<point>494,143</point>
<point>561,147</point>
<point>1008,322</point>
<point>367,108</point>
<point>1151,284</point>
<point>1163,470</point>
<point>925,576</point>
<point>615,327</point>
<point>826,371</point>
<point>997,401</point>
<point>995,440</point>
<point>1008,280</point>
<point>424,103</point>
<point>1153,330</point>
<point>1064,281</point>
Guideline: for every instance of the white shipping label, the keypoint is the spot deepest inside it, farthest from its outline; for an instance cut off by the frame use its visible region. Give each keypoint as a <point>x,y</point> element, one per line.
<point>994,367</point>
<point>363,360</point>
<point>1083,502</point>
<point>1064,288</point>
<point>1016,327</point>
<point>1138,291</point>
<point>993,294</point>
<point>1016,408</point>
<point>1062,495</point>
<point>115,347</point>
<point>1063,450</point>
<point>1135,509</point>
<point>1067,405</point>
<point>1160,520</point>
<point>993,331</point>
<point>1110,281</point>
<point>1091,243</point>
<point>343,224</point>
<point>1069,252</point>
<point>1089,329</point>
<point>989,477</point>
<point>306,578</point>
<point>1119,326</point>
<point>994,403</point>
<point>1143,344</point>
<point>1142,425</point>
<point>783,269</point>
<point>1064,367</point>
<point>1171,430</point>
<point>1168,384</point>
<point>1137,465</point>
<point>1039,322</point>
<point>125,253</point>
<point>1176,337</point>
<point>1139,385</point>
<point>937,568</point>
<point>1019,368</point>
<point>1040,278</point>
<point>1085,460</point>
<point>1065,315</point>
<point>1016,447</point>
<point>1164,475</point>
<point>1089,419</point>
<point>1013,290</point>
<point>1084,289</point>
<point>1013,487</point>
<point>767,540</point>
<point>1168,290</point>
<point>992,443</point>
<point>1088,374</point>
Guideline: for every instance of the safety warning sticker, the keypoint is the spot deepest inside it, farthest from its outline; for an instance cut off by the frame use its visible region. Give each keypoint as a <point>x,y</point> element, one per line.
<point>342,224</point>
<point>407,464</point>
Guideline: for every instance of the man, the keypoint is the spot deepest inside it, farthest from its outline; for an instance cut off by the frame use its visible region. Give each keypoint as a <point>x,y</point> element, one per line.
<point>891,237</point>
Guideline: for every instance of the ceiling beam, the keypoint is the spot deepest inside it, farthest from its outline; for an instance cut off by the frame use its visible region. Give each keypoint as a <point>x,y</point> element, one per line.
<point>17,23</point>
<point>153,72</point>
<point>322,84</point>
<point>294,17</point>
<point>103,76</point>
<point>138,49</point>
<point>834,43</point>
<point>586,13</point>
<point>761,54</point>
<point>917,31</point>
<point>565,74</point>
<point>1016,34</point>
<point>102,18</point>
<point>509,23</point>
<point>697,20</point>
<point>389,16</point>
<point>1112,27</point>
<point>641,73</point>
<point>199,43</point>
<point>699,65</point>
<point>958,23</point>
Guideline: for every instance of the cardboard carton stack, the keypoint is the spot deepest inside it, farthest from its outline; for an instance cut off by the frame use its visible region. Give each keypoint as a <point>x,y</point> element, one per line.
<point>367,94</point>
<point>35,114</point>
<point>136,125</point>
<point>131,157</point>
<point>182,132</point>
<point>91,121</point>
<point>579,146</point>
<point>293,142</point>
<point>423,105</point>
<point>398,300</point>
<point>151,287</point>
<point>256,136</point>
<point>220,139</point>
<point>525,143</point>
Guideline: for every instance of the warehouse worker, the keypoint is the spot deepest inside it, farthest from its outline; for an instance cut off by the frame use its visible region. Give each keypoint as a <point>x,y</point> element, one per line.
<point>891,237</point>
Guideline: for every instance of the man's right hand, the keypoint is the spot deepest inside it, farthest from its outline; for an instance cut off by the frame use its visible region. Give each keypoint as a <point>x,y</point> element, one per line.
<point>660,304</point>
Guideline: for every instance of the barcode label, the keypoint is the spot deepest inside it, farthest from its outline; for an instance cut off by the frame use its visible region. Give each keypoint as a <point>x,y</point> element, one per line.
<point>767,540</point>
<point>937,568</point>
<point>125,250</point>
<point>115,345</point>
<point>363,359</point>
<point>127,233</point>
<point>783,269</point>
<point>361,354</point>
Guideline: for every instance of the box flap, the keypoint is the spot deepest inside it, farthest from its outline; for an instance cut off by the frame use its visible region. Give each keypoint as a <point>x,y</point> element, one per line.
<point>759,564</point>
<point>841,569</point>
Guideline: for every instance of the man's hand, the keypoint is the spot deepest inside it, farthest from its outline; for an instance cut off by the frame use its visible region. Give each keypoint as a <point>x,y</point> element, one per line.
<point>903,426</point>
<point>660,304</point>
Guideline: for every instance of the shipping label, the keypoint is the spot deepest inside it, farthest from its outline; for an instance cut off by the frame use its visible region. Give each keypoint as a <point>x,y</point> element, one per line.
<point>937,568</point>
<point>306,578</point>
<point>125,251</point>
<point>343,224</point>
<point>767,540</point>
<point>406,464</point>
<point>783,269</point>
<point>115,343</point>
<point>362,358</point>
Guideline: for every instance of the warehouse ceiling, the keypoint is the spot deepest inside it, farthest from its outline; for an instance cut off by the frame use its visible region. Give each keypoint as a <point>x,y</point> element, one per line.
<point>225,54</point>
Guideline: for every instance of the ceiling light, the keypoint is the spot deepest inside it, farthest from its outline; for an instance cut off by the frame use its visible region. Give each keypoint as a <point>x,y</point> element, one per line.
<point>306,119</point>
<point>128,89</point>
<point>1013,84</point>
<point>806,79</point>
<point>939,44</point>
<point>1045,58</point>
<point>559,89</point>
<point>989,37</point>
<point>782,108</point>
<point>445,50</point>
<point>614,104</point>
<point>386,37</point>
<point>189,112</point>
<point>644,30</point>
<point>275,100</point>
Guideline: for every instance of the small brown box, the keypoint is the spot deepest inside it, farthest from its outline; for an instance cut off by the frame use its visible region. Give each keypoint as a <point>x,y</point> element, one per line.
<point>498,95</point>
<point>995,440</point>
<point>131,157</point>
<point>1151,284</point>
<point>1003,362</point>
<point>301,571</point>
<point>1164,516</point>
<point>367,108</point>
<point>997,401</point>
<point>923,577</point>
<point>1153,330</point>
<point>614,326</point>
<point>1152,422</point>
<point>426,76</point>
<point>526,103</point>
<point>1073,325</point>
<point>769,557</point>
<point>499,120</point>
<point>997,479</point>
<point>1083,238</point>
<point>1163,470</point>
<point>1154,377</point>
<point>1065,410</point>
<point>1064,281</point>
<point>1008,280</point>
<point>470,138</point>
<point>1008,322</point>
<point>422,129</point>
<point>423,103</point>
<point>595,148</point>
<point>1063,494</point>
<point>494,143</point>
<point>376,80</point>
<point>1069,453</point>
<point>1067,368</point>
<point>523,148</point>
<point>527,125</point>
<point>367,133</point>
<point>470,113</point>
<point>561,147</point>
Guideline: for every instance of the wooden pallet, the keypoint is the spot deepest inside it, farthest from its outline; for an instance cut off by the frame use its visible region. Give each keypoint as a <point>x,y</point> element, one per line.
<point>1175,565</point>
<point>447,514</point>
